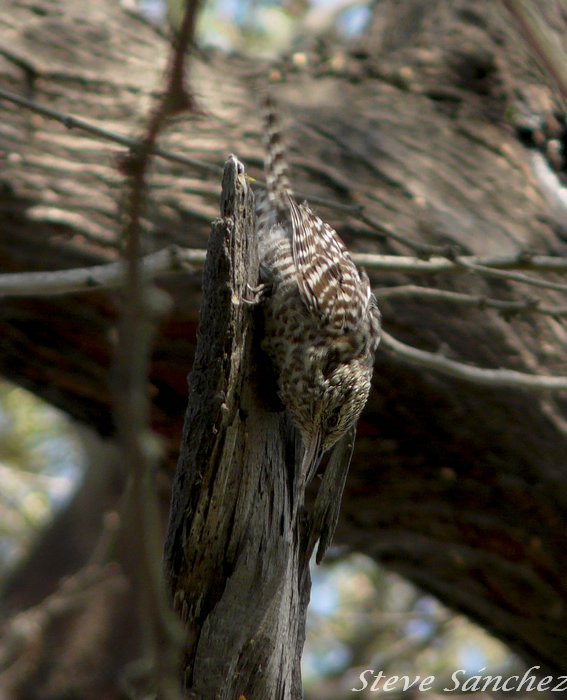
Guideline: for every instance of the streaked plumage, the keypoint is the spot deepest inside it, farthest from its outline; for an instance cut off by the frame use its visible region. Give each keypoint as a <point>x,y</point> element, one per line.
<point>322,323</point>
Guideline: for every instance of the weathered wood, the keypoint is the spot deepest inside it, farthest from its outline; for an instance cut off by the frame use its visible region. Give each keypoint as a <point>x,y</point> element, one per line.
<point>233,550</point>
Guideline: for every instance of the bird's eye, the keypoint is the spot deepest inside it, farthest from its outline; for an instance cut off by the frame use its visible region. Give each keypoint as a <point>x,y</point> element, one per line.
<point>333,420</point>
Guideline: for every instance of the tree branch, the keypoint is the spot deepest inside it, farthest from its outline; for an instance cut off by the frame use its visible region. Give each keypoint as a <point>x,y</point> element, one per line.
<point>486,271</point>
<point>25,634</point>
<point>144,305</point>
<point>520,261</point>
<point>506,307</point>
<point>169,261</point>
<point>504,378</point>
<point>176,260</point>
<point>82,125</point>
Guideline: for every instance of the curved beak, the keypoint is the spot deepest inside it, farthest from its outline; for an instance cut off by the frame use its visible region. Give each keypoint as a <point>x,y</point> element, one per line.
<point>311,457</point>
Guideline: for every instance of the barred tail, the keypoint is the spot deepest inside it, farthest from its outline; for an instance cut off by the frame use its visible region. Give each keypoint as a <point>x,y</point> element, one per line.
<point>275,164</point>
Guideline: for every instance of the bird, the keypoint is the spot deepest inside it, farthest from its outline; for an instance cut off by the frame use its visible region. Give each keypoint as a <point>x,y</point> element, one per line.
<point>322,324</point>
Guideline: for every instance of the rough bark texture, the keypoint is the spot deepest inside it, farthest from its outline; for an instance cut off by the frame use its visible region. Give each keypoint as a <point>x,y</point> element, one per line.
<point>233,535</point>
<point>238,529</point>
<point>462,489</point>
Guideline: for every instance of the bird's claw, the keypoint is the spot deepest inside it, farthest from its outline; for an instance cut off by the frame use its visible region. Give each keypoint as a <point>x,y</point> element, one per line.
<point>257,294</point>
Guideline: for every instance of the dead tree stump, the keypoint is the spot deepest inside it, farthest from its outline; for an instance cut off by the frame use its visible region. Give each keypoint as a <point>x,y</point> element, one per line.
<point>236,556</point>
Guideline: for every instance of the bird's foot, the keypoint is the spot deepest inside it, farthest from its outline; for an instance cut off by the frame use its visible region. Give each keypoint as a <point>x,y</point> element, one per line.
<point>256,295</point>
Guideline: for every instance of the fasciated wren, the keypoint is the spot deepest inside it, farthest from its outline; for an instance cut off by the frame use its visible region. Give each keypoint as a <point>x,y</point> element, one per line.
<point>322,323</point>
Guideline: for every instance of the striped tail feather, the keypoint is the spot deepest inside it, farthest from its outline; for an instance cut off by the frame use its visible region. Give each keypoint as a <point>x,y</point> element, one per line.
<point>275,164</point>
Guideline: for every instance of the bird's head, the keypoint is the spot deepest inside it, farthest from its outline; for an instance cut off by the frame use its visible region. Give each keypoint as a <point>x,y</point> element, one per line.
<point>335,410</point>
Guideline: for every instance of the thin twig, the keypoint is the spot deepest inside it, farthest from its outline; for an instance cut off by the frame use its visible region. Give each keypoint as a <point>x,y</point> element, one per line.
<point>493,378</point>
<point>71,122</point>
<point>504,306</point>
<point>424,250</point>
<point>82,125</point>
<point>486,271</point>
<point>403,263</point>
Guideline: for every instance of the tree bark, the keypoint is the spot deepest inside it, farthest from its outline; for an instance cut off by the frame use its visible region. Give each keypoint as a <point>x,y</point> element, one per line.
<point>460,488</point>
<point>232,551</point>
<point>239,538</point>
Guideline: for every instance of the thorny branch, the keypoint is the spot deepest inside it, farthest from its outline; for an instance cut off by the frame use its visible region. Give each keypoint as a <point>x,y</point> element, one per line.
<point>143,305</point>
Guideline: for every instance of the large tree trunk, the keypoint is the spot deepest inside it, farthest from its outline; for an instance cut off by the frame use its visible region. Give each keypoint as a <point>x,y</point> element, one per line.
<point>460,488</point>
